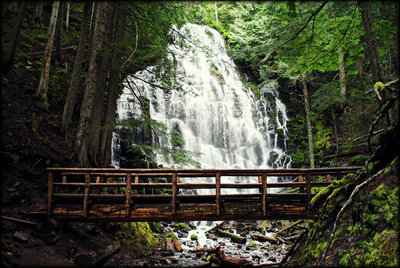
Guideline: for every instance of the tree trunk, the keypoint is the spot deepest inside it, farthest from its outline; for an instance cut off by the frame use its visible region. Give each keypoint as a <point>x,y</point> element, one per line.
<point>37,18</point>
<point>81,140</point>
<point>97,113</point>
<point>67,16</point>
<point>342,74</point>
<point>73,90</point>
<point>113,91</point>
<point>59,32</point>
<point>8,60</point>
<point>372,48</point>
<point>44,78</point>
<point>308,121</point>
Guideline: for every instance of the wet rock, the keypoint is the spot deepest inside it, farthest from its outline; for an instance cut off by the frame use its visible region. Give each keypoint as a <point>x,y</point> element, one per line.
<point>21,236</point>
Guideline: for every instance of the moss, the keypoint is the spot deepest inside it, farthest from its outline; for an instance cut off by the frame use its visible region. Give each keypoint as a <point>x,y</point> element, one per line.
<point>382,250</point>
<point>137,235</point>
<point>193,237</point>
<point>155,227</point>
<point>252,244</point>
<point>182,226</point>
<point>317,251</point>
<point>321,195</point>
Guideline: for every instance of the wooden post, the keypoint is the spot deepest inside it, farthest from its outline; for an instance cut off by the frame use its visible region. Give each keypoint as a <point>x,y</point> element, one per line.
<point>64,179</point>
<point>264,194</point>
<point>218,193</point>
<point>128,195</point>
<point>174,192</point>
<point>308,187</point>
<point>328,178</point>
<point>136,182</point>
<point>301,190</point>
<point>260,181</point>
<point>86,195</point>
<point>50,194</point>
<point>98,179</point>
<point>339,175</point>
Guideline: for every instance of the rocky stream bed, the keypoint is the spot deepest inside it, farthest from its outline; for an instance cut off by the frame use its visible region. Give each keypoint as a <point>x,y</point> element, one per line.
<point>244,243</point>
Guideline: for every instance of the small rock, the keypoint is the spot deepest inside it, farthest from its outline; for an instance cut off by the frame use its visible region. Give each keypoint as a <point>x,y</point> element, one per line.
<point>21,236</point>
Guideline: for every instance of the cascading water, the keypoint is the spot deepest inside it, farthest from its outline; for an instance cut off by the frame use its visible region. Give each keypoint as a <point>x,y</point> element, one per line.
<point>216,114</point>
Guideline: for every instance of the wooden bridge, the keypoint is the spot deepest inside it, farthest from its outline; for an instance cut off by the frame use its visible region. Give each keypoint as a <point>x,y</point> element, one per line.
<point>108,194</point>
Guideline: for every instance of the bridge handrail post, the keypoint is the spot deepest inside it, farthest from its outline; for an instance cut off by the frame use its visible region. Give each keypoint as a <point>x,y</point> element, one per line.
<point>174,191</point>
<point>308,188</point>
<point>339,175</point>
<point>50,194</point>
<point>86,195</point>
<point>218,193</point>
<point>264,194</point>
<point>128,194</point>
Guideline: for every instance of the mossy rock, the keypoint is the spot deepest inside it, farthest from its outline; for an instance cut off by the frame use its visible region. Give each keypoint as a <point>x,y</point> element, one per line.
<point>182,227</point>
<point>138,236</point>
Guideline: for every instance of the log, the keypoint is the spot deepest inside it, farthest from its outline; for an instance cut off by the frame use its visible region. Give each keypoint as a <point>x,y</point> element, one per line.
<point>169,245</point>
<point>280,239</point>
<point>178,246</point>
<point>212,230</point>
<point>266,237</point>
<point>18,220</point>
<point>218,257</point>
<point>234,237</point>
<point>290,226</point>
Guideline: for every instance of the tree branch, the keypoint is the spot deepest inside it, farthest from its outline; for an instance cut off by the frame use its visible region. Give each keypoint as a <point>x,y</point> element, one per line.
<point>348,202</point>
<point>315,13</point>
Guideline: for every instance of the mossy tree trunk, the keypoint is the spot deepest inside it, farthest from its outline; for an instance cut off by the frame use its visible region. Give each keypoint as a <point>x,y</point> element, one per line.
<point>89,96</point>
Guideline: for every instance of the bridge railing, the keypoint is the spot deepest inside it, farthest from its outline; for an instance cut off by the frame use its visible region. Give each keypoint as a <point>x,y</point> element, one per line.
<point>131,187</point>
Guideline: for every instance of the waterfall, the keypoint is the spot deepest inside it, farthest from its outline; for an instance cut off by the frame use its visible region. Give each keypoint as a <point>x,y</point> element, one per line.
<point>215,112</point>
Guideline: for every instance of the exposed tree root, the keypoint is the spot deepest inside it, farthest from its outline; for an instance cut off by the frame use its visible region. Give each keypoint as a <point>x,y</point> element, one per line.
<point>348,202</point>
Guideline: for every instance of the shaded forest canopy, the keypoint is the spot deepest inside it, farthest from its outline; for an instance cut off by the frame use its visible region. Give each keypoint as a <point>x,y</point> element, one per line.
<point>63,64</point>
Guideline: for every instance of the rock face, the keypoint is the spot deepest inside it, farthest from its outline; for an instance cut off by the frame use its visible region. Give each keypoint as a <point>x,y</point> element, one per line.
<point>367,231</point>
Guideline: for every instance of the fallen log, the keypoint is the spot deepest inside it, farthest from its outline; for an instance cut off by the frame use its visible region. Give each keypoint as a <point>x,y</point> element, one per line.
<point>178,246</point>
<point>212,230</point>
<point>18,220</point>
<point>266,237</point>
<point>290,226</point>
<point>169,245</point>
<point>218,257</point>
<point>234,237</point>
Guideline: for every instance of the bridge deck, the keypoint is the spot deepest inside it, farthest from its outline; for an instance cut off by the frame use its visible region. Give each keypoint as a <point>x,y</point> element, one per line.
<point>92,194</point>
